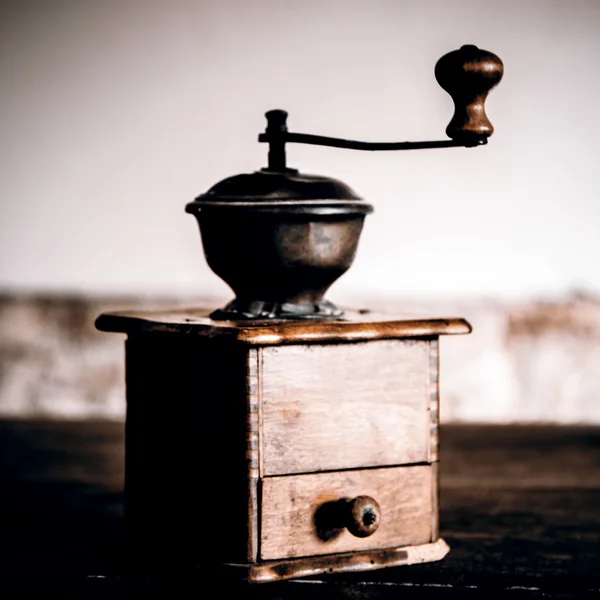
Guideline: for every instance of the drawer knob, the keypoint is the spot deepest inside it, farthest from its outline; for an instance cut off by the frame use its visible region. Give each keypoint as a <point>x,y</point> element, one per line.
<point>364,516</point>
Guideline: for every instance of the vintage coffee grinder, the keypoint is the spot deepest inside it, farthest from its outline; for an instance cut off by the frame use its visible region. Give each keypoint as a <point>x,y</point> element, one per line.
<point>280,436</point>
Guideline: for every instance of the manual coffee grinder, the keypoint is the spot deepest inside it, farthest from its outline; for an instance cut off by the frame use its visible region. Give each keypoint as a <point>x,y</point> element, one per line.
<point>281,436</point>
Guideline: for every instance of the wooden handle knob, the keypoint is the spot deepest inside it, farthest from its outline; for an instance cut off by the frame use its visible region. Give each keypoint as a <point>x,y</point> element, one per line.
<point>468,75</point>
<point>364,516</point>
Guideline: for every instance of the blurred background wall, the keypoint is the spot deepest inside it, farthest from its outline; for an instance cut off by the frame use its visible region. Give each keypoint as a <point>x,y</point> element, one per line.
<point>115,113</point>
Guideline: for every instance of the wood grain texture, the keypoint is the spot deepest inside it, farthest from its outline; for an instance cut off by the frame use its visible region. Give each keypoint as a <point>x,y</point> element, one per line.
<point>434,400</point>
<point>252,448</point>
<point>354,326</point>
<point>344,406</point>
<point>341,563</point>
<point>434,434</point>
<point>468,74</point>
<point>435,501</point>
<point>289,506</point>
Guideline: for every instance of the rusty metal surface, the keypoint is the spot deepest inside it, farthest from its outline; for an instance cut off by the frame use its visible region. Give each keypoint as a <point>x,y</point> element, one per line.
<point>266,187</point>
<point>279,240</point>
<point>279,259</point>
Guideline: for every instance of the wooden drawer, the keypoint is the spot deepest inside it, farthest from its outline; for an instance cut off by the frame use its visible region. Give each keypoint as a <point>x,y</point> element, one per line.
<point>291,507</point>
<point>343,406</point>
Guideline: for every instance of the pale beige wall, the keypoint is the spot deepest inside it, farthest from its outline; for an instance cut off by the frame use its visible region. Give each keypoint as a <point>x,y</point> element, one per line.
<point>115,113</point>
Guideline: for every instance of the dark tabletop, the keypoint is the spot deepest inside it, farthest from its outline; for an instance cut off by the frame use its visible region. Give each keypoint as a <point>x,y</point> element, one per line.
<point>520,508</point>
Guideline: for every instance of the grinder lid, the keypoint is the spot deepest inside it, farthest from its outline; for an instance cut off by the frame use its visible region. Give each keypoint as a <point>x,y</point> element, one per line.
<point>282,191</point>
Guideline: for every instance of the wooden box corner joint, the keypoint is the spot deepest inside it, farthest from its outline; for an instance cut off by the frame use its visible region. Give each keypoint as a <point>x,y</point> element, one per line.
<point>282,449</point>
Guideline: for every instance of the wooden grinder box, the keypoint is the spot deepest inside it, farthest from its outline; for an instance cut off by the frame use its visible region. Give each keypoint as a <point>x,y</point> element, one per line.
<point>247,443</point>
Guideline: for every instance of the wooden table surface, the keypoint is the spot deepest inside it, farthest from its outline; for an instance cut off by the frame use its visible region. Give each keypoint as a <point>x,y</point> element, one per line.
<point>520,507</point>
